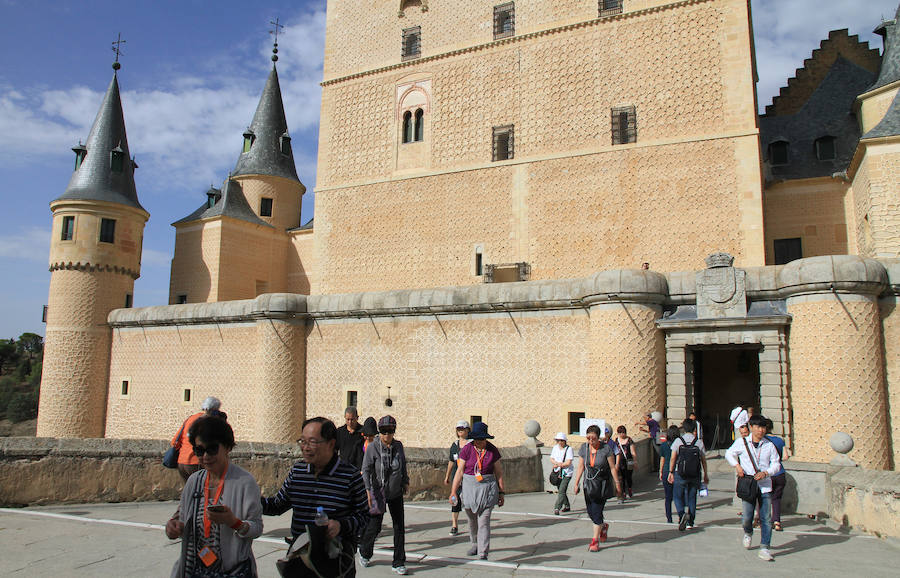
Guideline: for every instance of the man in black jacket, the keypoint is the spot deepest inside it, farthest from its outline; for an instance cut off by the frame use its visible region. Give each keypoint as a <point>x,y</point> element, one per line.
<point>350,440</point>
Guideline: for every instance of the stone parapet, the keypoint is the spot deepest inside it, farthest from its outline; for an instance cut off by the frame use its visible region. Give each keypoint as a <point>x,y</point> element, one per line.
<point>48,470</point>
<point>866,500</point>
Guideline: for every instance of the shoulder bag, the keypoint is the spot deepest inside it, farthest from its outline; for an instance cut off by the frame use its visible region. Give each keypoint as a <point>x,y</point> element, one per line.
<point>747,489</point>
<point>598,483</point>
<point>170,458</point>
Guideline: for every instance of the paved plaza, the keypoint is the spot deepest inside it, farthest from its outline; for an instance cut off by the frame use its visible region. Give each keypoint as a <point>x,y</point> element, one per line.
<point>528,540</point>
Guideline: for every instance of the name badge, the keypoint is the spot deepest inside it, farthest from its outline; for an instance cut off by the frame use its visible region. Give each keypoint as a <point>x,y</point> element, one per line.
<point>207,556</point>
<point>479,477</point>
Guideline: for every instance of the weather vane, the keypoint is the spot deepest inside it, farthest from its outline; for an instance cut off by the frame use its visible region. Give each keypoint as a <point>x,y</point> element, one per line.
<point>117,48</point>
<point>274,31</point>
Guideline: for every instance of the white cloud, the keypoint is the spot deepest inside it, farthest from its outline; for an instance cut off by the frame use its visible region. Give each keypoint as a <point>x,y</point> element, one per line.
<point>154,258</point>
<point>31,244</point>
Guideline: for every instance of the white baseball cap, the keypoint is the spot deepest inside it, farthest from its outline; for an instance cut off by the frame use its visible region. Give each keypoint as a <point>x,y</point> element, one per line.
<point>462,423</point>
<point>561,436</point>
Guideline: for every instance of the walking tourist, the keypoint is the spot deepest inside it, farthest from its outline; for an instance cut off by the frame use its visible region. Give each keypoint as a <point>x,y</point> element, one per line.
<point>650,426</point>
<point>755,457</point>
<point>627,463</point>
<point>462,433</point>
<point>598,465</point>
<point>369,431</point>
<point>219,514</point>
<point>386,478</point>
<point>349,444</point>
<point>187,461</point>
<point>481,475</point>
<point>665,451</point>
<point>779,480</point>
<point>323,486</point>
<point>561,458</point>
<point>693,416</point>
<point>687,463</point>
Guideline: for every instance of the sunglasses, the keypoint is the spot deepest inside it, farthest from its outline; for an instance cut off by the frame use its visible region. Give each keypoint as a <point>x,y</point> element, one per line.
<point>210,449</point>
<point>385,431</point>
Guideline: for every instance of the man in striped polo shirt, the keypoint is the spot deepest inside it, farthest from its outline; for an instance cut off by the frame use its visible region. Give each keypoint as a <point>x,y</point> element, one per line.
<point>322,479</point>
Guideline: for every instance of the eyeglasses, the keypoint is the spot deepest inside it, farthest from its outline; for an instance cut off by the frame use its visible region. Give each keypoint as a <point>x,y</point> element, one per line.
<point>386,431</point>
<point>310,442</point>
<point>210,449</point>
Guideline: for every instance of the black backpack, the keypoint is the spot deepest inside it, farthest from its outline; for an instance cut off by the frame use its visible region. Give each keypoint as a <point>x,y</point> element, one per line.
<point>687,463</point>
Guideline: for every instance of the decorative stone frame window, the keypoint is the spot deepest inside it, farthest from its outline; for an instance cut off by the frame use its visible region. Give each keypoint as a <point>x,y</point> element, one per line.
<point>413,126</point>
<point>609,7</point>
<point>826,148</point>
<point>503,143</point>
<point>779,153</point>
<point>68,228</point>
<point>624,124</point>
<point>411,47</point>
<point>107,230</point>
<point>505,20</point>
<point>404,4</point>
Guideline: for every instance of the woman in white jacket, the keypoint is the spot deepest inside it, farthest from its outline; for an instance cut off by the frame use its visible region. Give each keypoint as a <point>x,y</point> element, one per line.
<point>756,456</point>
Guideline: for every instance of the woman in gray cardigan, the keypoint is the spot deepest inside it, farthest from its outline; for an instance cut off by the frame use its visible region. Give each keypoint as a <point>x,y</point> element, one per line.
<point>220,511</point>
<point>384,473</point>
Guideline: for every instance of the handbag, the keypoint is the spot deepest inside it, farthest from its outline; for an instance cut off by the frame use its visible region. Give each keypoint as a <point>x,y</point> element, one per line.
<point>170,458</point>
<point>747,489</point>
<point>598,482</point>
<point>556,477</point>
<point>377,506</point>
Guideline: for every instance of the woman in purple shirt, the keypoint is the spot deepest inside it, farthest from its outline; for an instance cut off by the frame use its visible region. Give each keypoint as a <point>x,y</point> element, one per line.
<point>481,476</point>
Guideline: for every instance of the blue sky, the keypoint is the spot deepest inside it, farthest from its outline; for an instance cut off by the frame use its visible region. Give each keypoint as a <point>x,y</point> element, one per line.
<point>191,77</point>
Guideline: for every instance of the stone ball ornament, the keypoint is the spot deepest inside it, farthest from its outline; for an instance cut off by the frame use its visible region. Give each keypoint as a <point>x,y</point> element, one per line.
<point>841,442</point>
<point>532,428</point>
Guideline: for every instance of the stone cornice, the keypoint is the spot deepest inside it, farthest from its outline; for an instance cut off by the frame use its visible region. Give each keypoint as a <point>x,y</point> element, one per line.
<point>512,39</point>
<point>92,267</point>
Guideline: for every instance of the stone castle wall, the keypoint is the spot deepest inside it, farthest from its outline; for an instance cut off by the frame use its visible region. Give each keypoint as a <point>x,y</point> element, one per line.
<point>877,195</point>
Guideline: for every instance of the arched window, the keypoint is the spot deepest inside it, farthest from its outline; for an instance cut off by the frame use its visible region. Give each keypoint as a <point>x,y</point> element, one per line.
<point>778,153</point>
<point>825,148</point>
<point>407,127</point>
<point>420,125</point>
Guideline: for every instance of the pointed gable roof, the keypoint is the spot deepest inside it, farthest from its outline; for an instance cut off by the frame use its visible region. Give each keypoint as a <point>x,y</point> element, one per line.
<point>890,60</point>
<point>269,125</point>
<point>231,203</point>
<point>95,179</point>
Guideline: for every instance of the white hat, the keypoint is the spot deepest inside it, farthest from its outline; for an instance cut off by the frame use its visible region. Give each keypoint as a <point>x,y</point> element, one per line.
<point>561,436</point>
<point>462,423</point>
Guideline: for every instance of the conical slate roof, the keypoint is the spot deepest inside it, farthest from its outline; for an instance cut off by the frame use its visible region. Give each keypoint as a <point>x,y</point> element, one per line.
<point>269,126</point>
<point>890,60</point>
<point>231,203</point>
<point>95,179</point>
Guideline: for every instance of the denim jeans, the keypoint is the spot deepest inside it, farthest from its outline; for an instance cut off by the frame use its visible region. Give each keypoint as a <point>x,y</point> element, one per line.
<point>670,490</point>
<point>686,495</point>
<point>765,518</point>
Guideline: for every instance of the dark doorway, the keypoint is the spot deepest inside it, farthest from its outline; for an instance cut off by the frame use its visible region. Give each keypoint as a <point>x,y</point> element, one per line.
<point>724,377</point>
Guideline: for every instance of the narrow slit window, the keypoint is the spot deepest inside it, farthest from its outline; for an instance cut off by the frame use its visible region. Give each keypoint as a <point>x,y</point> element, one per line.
<point>624,125</point>
<point>352,398</point>
<point>479,263</point>
<point>503,143</point>
<point>129,300</point>
<point>124,387</point>
<point>265,207</point>
<point>107,230</point>
<point>420,126</point>
<point>68,228</point>
<point>505,20</point>
<point>407,127</point>
<point>187,395</point>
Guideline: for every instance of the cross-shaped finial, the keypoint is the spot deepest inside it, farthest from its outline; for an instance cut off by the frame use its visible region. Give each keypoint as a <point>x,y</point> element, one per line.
<point>276,27</point>
<point>117,48</point>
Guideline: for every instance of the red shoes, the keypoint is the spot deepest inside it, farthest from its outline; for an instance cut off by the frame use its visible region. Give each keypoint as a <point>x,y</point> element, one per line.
<point>594,547</point>
<point>603,531</point>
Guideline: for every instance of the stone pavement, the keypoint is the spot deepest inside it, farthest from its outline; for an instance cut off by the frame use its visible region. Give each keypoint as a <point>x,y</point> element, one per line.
<point>527,540</point>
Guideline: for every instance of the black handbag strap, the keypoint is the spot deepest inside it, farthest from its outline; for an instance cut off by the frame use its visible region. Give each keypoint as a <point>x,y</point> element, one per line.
<point>750,455</point>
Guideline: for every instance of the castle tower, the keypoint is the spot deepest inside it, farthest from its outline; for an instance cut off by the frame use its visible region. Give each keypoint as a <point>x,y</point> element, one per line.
<point>95,256</point>
<point>237,245</point>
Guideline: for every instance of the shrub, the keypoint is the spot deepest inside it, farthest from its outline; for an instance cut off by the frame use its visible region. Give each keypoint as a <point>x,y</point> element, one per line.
<point>23,406</point>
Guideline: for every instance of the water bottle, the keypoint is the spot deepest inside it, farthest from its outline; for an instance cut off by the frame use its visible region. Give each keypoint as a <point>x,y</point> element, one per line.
<point>321,518</point>
<point>454,500</point>
<point>704,491</point>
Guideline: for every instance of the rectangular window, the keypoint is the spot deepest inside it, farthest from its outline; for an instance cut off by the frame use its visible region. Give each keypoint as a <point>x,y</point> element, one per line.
<point>479,263</point>
<point>352,398</point>
<point>779,153</point>
<point>124,387</point>
<point>265,207</point>
<point>474,419</point>
<point>186,398</point>
<point>787,250</point>
<point>609,7</point>
<point>107,230</point>
<point>129,299</point>
<point>503,143</point>
<point>624,125</point>
<point>412,43</point>
<point>181,299</point>
<point>505,20</point>
<point>575,421</point>
<point>68,228</point>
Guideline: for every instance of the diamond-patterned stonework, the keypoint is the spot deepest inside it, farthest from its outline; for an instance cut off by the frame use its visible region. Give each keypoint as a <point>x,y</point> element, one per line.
<point>890,319</point>
<point>837,379</point>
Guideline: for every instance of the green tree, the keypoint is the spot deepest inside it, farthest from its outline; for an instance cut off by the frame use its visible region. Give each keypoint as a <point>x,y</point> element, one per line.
<point>23,406</point>
<point>35,379</point>
<point>8,352</point>
<point>30,344</point>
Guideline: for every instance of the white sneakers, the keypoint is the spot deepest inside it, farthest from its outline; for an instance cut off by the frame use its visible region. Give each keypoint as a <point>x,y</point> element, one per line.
<point>764,554</point>
<point>746,541</point>
<point>400,570</point>
<point>364,562</point>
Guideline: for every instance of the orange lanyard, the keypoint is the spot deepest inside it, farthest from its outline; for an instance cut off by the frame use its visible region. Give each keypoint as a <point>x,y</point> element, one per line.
<point>593,456</point>
<point>480,459</point>
<point>206,521</point>
<point>365,446</point>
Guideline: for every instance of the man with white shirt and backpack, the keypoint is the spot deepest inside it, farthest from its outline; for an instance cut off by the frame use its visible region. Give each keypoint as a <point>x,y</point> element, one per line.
<point>755,456</point>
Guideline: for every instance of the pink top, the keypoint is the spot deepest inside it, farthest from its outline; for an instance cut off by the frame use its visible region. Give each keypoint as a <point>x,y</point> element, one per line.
<point>489,457</point>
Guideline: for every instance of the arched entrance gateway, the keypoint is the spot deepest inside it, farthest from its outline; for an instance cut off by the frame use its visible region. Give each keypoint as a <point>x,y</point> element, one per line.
<point>721,353</point>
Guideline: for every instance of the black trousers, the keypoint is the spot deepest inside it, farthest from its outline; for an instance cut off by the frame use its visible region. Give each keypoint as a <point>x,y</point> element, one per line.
<point>367,544</point>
